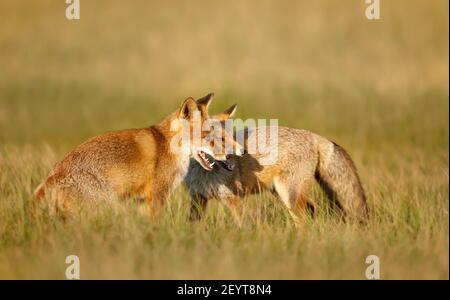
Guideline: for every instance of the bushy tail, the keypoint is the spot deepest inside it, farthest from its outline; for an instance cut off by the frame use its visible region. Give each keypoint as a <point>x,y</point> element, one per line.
<point>337,175</point>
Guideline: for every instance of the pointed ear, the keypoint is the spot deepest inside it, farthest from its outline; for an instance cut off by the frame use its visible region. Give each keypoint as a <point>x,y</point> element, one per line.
<point>228,113</point>
<point>205,101</point>
<point>231,111</point>
<point>186,110</point>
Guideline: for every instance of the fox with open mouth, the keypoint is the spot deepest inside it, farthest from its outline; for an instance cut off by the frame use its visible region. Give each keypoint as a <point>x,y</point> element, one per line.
<point>146,163</point>
<point>302,158</point>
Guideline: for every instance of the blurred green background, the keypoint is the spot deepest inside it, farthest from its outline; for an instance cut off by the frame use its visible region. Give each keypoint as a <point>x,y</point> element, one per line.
<point>319,65</point>
<point>379,88</point>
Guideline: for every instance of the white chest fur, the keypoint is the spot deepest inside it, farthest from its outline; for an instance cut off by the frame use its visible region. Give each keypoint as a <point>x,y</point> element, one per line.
<point>183,166</point>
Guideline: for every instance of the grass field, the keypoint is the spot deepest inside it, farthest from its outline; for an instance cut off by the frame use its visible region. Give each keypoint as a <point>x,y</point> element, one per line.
<point>379,88</point>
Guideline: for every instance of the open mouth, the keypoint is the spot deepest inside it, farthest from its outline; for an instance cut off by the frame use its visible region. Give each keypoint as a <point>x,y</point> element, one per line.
<point>207,161</point>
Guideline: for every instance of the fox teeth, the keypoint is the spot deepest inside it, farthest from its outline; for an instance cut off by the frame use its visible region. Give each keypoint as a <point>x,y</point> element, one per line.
<point>213,163</point>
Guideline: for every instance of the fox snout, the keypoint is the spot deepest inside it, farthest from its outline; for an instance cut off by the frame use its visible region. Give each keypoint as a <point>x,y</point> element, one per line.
<point>230,159</point>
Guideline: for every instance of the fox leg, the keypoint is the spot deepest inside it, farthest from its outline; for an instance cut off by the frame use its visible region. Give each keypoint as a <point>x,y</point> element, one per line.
<point>155,199</point>
<point>301,204</point>
<point>198,207</point>
<point>294,199</point>
<point>234,204</point>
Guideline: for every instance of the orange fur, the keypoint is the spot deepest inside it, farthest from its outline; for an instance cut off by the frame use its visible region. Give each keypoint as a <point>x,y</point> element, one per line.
<point>137,163</point>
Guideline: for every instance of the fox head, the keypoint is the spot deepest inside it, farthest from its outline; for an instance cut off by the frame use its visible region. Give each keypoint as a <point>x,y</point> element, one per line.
<point>225,124</point>
<point>202,137</point>
<point>219,134</point>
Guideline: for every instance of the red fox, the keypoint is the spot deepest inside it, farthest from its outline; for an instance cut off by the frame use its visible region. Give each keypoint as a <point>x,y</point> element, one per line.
<point>303,157</point>
<point>138,163</point>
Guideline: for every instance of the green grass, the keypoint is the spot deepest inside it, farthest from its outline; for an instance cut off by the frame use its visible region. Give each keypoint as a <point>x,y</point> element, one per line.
<point>378,88</point>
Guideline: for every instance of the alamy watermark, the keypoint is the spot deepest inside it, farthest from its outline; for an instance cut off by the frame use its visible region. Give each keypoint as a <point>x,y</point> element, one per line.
<point>373,270</point>
<point>221,138</point>
<point>373,9</point>
<point>73,9</point>
<point>73,268</point>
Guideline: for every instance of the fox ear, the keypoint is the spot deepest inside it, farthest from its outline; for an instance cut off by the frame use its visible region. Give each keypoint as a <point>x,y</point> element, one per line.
<point>205,101</point>
<point>226,114</point>
<point>187,109</point>
<point>230,111</point>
